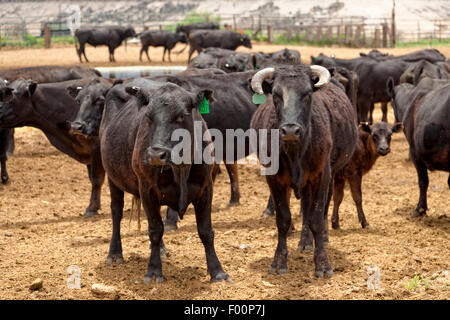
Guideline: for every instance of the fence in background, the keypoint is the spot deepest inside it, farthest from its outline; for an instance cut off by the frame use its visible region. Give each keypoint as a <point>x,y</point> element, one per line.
<point>346,31</point>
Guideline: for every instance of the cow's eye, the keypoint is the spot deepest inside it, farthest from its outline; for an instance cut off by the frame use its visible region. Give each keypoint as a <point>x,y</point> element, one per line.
<point>375,137</point>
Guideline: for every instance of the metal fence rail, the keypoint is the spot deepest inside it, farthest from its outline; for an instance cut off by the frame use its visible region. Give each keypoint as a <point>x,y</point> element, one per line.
<point>322,30</point>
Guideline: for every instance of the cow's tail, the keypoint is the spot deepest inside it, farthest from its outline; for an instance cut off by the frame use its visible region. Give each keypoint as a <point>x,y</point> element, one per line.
<point>136,206</point>
<point>181,51</point>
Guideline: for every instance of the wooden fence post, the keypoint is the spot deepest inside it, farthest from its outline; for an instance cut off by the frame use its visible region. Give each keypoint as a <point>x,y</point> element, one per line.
<point>376,38</point>
<point>338,35</point>
<point>289,33</point>
<point>269,34</point>
<point>234,23</point>
<point>309,34</point>
<point>319,33</point>
<point>47,37</point>
<point>384,37</point>
<point>330,33</point>
<point>357,39</point>
<point>347,34</point>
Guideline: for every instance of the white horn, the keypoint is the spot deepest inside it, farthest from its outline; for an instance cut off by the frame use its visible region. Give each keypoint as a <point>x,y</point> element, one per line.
<point>323,74</point>
<point>259,77</point>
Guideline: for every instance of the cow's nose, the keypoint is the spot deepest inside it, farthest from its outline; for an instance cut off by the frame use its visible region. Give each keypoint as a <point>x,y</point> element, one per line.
<point>77,127</point>
<point>157,156</point>
<point>383,150</point>
<point>290,132</point>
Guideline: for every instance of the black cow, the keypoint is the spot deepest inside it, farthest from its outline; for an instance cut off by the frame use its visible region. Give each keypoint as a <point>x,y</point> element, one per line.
<point>111,37</point>
<point>227,111</point>
<point>284,55</point>
<point>136,153</point>
<point>227,60</point>
<point>202,39</point>
<point>160,38</point>
<point>48,74</point>
<point>187,29</point>
<point>6,143</point>
<point>425,113</point>
<point>421,69</point>
<point>430,55</point>
<point>318,131</point>
<point>49,107</point>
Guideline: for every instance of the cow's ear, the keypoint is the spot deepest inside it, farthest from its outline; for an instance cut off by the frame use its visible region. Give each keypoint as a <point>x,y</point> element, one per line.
<point>32,85</point>
<point>313,60</point>
<point>365,127</point>
<point>397,127</point>
<point>74,90</point>
<point>203,99</point>
<point>117,81</point>
<point>139,93</point>
<point>6,94</point>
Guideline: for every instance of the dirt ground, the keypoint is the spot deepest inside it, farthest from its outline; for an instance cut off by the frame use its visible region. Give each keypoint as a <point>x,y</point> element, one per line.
<point>42,231</point>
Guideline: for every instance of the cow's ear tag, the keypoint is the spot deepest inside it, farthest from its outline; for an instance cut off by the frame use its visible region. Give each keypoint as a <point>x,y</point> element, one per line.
<point>204,106</point>
<point>258,98</point>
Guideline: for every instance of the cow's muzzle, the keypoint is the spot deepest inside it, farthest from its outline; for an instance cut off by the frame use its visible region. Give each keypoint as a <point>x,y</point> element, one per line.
<point>158,156</point>
<point>291,132</point>
<point>384,150</point>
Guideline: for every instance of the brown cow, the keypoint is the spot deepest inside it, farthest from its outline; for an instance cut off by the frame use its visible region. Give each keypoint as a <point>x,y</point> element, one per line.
<point>374,141</point>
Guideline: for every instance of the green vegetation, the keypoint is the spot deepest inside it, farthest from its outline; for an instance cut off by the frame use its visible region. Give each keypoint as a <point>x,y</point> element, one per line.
<point>416,281</point>
<point>424,43</point>
<point>36,42</point>
<point>194,17</point>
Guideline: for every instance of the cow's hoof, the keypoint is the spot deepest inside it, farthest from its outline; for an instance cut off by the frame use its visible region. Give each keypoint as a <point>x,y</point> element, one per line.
<point>221,276</point>
<point>117,258</point>
<point>280,271</point>
<point>267,214</point>
<point>335,226</point>
<point>418,212</point>
<point>365,225</point>
<point>307,247</point>
<point>234,204</point>
<point>89,213</point>
<point>329,273</point>
<point>319,274</point>
<point>170,227</point>
<point>149,279</point>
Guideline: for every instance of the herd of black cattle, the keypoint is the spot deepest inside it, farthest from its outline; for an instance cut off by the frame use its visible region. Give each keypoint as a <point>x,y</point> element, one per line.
<point>123,128</point>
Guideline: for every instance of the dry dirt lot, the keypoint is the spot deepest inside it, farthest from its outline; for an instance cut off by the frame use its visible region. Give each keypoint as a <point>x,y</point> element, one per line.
<point>42,231</point>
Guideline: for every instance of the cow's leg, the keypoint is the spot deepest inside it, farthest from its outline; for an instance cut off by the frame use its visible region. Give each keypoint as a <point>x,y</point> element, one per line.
<point>155,231</point>
<point>448,181</point>
<point>315,220</point>
<point>164,53</point>
<point>191,51</point>
<point>270,208</point>
<point>232,169</point>
<point>171,221</point>
<point>4,172</point>
<point>111,54</point>
<point>363,109</point>
<point>355,187</point>
<point>141,51</point>
<point>306,236</point>
<point>79,53</point>
<point>115,246</point>
<point>83,51</point>
<point>422,174</point>
<point>97,177</point>
<point>202,208</point>
<point>338,195</point>
<point>280,196</point>
<point>372,107</point>
<point>169,54</point>
<point>325,212</point>
<point>384,110</point>
<point>146,53</point>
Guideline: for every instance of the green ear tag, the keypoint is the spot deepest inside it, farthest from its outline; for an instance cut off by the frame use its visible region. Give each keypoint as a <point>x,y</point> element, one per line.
<point>204,106</point>
<point>259,98</point>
